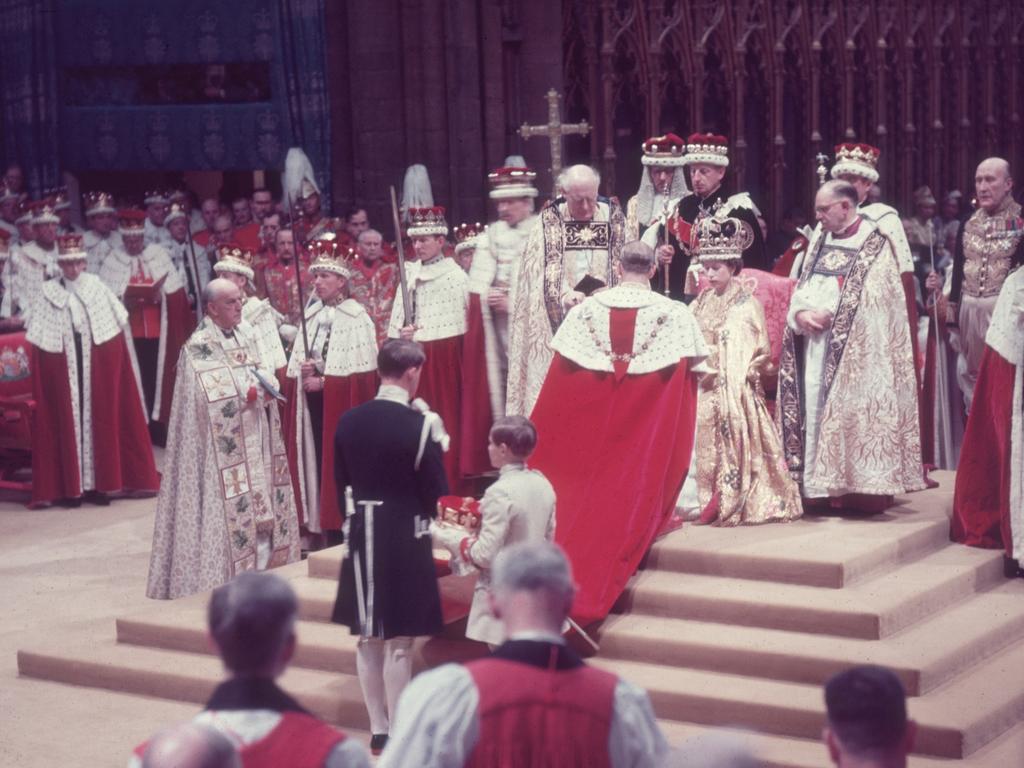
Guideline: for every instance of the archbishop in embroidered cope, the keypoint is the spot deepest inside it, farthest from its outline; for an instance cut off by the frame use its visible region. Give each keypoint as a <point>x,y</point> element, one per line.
<point>226,503</point>
<point>616,419</point>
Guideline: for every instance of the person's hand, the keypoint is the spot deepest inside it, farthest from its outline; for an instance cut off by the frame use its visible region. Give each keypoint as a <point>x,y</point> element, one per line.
<point>407,332</point>
<point>313,383</point>
<point>933,282</point>
<point>572,298</point>
<point>497,300</point>
<point>307,368</point>
<point>665,253</point>
<point>813,320</point>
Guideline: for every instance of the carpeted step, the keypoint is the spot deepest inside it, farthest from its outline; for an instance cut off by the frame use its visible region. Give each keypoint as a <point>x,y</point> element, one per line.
<point>323,646</point>
<point>925,656</point>
<point>335,697</point>
<point>783,752</point>
<point>953,721</point>
<point>871,609</point>
<point>819,552</point>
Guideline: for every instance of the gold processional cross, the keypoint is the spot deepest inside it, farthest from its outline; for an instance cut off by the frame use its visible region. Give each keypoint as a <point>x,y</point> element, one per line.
<point>554,130</point>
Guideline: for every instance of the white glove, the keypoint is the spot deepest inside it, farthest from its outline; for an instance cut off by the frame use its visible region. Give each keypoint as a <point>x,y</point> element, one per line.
<point>447,536</point>
<point>437,431</point>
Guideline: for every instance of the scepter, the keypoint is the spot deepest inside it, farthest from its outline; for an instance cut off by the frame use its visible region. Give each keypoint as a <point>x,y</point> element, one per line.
<point>298,276</point>
<point>406,304</point>
<point>195,272</point>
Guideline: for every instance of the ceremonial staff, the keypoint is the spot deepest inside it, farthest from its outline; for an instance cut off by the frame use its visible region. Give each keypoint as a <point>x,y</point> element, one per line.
<point>941,380</point>
<point>195,271</point>
<point>296,233</point>
<point>664,241</point>
<point>410,315</point>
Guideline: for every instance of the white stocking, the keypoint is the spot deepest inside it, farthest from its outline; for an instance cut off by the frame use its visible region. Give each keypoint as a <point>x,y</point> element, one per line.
<point>370,668</point>
<point>397,669</point>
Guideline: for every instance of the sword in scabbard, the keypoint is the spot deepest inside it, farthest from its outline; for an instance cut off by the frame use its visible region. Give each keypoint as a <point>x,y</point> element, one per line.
<point>195,272</point>
<point>410,317</point>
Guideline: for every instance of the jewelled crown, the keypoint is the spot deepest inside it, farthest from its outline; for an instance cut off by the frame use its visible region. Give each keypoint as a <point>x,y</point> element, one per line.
<point>327,256</point>
<point>231,257</point>
<point>857,160</point>
<point>512,182</point>
<point>709,148</point>
<point>44,212</point>
<point>665,151</point>
<point>466,235</point>
<point>427,221</point>
<point>131,221</point>
<point>59,197</point>
<point>155,197</point>
<point>176,211</point>
<point>722,239</point>
<point>98,202</point>
<point>69,247</point>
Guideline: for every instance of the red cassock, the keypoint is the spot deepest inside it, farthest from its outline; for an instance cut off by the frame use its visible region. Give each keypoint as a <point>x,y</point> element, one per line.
<point>441,388</point>
<point>477,416</point>
<point>981,501</point>
<point>181,321</point>
<point>616,447</point>
<point>341,393</point>
<point>122,455</point>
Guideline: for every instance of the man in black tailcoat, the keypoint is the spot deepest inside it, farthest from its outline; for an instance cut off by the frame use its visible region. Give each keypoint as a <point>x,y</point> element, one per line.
<point>389,472</point>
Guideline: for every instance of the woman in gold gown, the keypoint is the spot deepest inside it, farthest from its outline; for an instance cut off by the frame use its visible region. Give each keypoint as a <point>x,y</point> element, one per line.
<point>740,472</point>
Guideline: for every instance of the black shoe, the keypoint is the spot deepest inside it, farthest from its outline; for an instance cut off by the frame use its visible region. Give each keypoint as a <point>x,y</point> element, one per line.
<point>377,743</point>
<point>96,497</point>
<point>1012,569</point>
<point>70,503</point>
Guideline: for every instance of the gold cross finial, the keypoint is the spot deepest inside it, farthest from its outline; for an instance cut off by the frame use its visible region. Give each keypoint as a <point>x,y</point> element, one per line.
<point>555,130</point>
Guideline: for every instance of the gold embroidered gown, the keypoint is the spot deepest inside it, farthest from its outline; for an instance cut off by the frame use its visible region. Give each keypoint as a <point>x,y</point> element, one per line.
<point>741,474</point>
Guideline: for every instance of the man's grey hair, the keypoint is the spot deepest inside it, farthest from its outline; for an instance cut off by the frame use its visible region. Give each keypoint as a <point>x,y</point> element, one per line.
<point>578,176</point>
<point>367,233</point>
<point>214,289</point>
<point>532,566</point>
<point>191,745</point>
<point>840,188</point>
<point>1000,162</point>
<point>251,618</point>
<point>637,257</point>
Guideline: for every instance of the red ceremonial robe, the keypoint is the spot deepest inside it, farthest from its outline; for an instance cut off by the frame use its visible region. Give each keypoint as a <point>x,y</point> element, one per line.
<point>441,388</point>
<point>477,416</point>
<point>981,500</point>
<point>616,448</point>
<point>122,455</point>
<point>181,322</point>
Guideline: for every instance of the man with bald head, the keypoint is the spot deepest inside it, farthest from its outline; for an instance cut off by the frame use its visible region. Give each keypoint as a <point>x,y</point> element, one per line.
<point>988,246</point>
<point>226,503</point>
<point>847,390</point>
<point>189,745</point>
<point>570,255</point>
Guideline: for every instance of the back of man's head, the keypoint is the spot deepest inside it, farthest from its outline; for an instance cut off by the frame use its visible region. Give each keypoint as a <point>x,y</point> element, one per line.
<point>637,258</point>
<point>396,356</point>
<point>867,716</point>
<point>191,745</point>
<point>532,587</point>
<point>252,621</point>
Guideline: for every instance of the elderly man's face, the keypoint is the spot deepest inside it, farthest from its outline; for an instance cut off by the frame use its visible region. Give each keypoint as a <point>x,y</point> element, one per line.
<point>262,203</point>
<point>241,212</point>
<point>706,178</point>
<point>134,242</point>
<point>285,244</point>
<point>156,213</point>
<point>514,210</point>
<point>370,247</point>
<point>223,232</point>
<point>72,269</point>
<point>992,183</point>
<point>661,178</point>
<point>178,228</point>
<point>831,210</point>
<point>226,309</point>
<point>46,234</point>
<point>357,223</point>
<point>581,200</point>
<point>210,209</point>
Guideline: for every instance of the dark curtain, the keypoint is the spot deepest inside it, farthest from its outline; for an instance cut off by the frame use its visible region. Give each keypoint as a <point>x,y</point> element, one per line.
<point>304,63</point>
<point>28,90</point>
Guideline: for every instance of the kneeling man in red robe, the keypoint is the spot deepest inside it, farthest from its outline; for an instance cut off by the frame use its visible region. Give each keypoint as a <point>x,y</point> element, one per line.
<point>86,386</point>
<point>531,702</point>
<point>988,503</point>
<point>616,413</point>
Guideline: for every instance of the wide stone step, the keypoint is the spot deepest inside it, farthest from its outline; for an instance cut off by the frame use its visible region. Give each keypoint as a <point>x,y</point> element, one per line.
<point>332,696</point>
<point>925,656</point>
<point>814,551</point>
<point>322,646</point>
<point>953,721</point>
<point>870,609</point>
